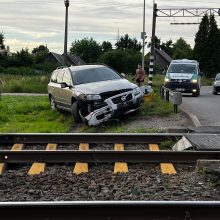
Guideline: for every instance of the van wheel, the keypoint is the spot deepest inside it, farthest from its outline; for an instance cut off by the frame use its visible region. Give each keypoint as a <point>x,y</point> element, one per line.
<point>52,103</point>
<point>75,112</point>
<point>196,94</point>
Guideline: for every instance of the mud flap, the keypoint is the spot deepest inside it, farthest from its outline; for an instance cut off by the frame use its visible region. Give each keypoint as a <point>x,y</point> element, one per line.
<point>99,115</point>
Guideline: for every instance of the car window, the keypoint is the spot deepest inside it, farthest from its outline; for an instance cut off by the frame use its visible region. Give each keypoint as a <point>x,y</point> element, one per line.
<point>60,77</point>
<point>67,78</point>
<point>183,68</point>
<point>54,76</point>
<point>94,75</point>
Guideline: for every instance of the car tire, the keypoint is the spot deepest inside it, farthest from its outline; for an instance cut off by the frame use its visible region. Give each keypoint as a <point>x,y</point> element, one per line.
<point>197,93</point>
<point>52,103</point>
<point>214,93</point>
<point>75,112</point>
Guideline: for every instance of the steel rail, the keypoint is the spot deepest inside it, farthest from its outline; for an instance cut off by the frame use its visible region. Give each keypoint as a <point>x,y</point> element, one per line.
<point>33,138</point>
<point>111,210</point>
<point>66,156</point>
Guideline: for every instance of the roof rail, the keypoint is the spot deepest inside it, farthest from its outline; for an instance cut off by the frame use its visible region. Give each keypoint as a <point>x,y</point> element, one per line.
<point>61,67</point>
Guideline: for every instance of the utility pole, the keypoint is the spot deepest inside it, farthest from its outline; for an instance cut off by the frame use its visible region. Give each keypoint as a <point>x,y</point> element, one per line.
<point>143,36</point>
<point>152,50</point>
<point>66,2</point>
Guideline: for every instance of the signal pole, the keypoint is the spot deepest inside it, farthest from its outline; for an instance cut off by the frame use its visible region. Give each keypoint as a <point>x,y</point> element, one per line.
<point>152,50</point>
<point>66,2</point>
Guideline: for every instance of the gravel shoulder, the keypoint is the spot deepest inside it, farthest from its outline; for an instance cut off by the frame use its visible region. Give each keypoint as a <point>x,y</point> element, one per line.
<point>138,124</point>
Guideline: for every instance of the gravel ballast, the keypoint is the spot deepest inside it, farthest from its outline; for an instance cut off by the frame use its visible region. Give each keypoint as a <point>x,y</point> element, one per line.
<point>143,182</point>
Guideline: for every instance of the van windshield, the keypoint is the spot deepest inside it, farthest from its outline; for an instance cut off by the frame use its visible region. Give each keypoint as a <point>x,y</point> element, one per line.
<point>182,68</point>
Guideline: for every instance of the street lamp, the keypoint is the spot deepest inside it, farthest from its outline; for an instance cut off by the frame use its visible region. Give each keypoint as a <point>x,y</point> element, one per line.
<point>143,36</point>
<point>66,2</point>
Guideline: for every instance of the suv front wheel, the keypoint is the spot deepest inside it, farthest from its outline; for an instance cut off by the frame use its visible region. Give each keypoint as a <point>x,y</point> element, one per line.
<point>75,112</point>
<point>52,103</point>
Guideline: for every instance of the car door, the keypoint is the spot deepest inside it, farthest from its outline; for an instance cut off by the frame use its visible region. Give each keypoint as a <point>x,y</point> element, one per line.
<point>52,87</point>
<point>58,90</point>
<point>66,93</point>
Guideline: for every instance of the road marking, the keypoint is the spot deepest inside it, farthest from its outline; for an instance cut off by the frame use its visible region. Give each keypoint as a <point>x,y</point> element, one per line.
<point>38,168</point>
<point>81,167</point>
<point>166,168</point>
<point>16,147</point>
<point>120,167</point>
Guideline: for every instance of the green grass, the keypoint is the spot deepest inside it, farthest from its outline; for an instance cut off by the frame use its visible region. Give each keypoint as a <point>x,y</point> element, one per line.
<point>29,84</point>
<point>31,114</point>
<point>206,81</point>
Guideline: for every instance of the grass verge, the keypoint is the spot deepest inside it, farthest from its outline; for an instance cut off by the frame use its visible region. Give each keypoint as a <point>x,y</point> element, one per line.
<point>31,114</point>
<point>29,84</point>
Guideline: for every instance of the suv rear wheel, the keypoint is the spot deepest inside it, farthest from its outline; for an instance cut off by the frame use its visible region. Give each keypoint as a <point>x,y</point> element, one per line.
<point>75,112</point>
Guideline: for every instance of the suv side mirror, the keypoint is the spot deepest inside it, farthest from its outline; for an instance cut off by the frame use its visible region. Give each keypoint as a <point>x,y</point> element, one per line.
<point>64,85</point>
<point>164,72</point>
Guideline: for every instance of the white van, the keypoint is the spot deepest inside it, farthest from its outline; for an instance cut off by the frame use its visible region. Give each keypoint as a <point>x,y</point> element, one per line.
<point>184,76</point>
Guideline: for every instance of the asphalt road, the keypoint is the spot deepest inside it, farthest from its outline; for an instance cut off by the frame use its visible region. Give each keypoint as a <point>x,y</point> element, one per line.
<point>206,107</point>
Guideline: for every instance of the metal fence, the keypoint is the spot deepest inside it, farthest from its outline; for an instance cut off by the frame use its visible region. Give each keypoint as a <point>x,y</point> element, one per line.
<point>171,96</point>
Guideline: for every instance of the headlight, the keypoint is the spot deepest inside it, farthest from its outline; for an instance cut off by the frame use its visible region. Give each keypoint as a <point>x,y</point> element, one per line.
<point>137,91</point>
<point>93,97</point>
<point>167,79</point>
<point>194,80</point>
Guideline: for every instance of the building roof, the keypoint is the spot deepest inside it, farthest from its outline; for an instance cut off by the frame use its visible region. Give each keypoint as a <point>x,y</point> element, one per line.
<point>164,55</point>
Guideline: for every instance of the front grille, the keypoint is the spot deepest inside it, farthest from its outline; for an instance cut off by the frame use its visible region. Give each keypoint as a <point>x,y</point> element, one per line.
<point>122,99</point>
<point>181,80</point>
<point>106,95</point>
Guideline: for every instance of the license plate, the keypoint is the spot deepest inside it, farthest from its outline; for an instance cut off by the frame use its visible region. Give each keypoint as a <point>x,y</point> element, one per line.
<point>180,89</point>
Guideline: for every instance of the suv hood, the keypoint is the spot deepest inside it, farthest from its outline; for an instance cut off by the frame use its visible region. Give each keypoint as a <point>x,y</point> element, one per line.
<point>104,86</point>
<point>181,75</point>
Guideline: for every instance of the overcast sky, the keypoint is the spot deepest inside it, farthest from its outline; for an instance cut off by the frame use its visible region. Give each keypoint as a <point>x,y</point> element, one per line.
<point>29,23</point>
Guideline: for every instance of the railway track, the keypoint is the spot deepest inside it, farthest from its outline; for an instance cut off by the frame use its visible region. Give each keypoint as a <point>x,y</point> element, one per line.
<point>111,210</point>
<point>146,181</point>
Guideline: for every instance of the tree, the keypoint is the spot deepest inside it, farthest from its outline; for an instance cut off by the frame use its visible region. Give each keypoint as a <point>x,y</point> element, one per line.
<point>182,50</point>
<point>157,42</point>
<point>39,49</point>
<point>207,46</point>
<point>167,47</point>
<point>87,49</point>
<point>201,40</point>
<point>125,42</point>
<point>2,38</point>
<point>106,46</point>
<point>22,58</point>
<point>122,60</point>
<point>40,53</point>
<point>213,48</point>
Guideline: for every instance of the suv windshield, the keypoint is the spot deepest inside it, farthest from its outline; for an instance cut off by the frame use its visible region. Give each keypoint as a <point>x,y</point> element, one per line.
<point>94,75</point>
<point>182,68</point>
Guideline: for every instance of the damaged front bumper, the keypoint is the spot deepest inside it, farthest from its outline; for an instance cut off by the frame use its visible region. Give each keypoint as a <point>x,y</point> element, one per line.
<point>120,104</point>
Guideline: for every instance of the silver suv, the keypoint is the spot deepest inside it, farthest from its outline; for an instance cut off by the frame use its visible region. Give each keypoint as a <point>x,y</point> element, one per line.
<point>92,93</point>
